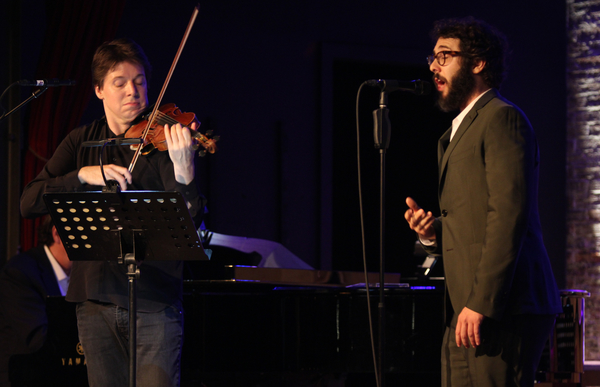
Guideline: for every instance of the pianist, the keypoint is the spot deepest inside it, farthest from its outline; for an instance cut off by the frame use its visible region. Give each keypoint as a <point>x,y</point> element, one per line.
<point>25,281</point>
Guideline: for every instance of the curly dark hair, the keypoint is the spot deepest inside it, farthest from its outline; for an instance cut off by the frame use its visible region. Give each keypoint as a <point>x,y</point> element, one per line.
<point>478,41</point>
<point>110,54</point>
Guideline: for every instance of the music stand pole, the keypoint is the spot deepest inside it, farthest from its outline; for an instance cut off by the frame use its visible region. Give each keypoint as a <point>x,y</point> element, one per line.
<point>133,273</point>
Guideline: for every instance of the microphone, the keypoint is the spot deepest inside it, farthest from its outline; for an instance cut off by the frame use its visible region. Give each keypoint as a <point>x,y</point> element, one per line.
<point>112,141</point>
<point>417,86</point>
<point>46,82</point>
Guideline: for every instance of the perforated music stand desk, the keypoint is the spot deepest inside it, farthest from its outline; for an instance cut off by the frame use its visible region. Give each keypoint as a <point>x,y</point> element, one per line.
<point>97,226</point>
<point>125,227</point>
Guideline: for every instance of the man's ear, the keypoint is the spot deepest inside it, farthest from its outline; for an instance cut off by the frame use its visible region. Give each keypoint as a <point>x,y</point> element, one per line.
<point>98,91</point>
<point>55,236</point>
<point>478,66</point>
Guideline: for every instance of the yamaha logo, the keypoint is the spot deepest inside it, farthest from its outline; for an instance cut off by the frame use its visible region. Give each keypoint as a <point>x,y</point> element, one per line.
<point>79,348</point>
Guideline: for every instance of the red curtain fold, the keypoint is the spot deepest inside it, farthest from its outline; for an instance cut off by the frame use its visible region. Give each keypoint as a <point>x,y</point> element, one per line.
<point>74,30</point>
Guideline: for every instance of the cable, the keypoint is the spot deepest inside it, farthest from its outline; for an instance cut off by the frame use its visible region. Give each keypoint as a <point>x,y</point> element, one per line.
<point>2,95</point>
<point>362,234</point>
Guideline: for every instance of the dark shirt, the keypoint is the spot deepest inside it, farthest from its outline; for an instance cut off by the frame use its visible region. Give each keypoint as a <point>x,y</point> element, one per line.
<point>25,282</point>
<point>160,282</point>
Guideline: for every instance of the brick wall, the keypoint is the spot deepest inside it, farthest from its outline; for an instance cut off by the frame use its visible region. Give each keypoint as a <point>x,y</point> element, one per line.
<point>583,160</point>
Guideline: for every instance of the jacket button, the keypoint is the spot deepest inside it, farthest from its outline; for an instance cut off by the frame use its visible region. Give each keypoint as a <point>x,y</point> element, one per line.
<point>444,213</point>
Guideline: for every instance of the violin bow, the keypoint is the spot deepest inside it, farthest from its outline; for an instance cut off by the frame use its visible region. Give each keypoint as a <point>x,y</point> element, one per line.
<point>164,87</point>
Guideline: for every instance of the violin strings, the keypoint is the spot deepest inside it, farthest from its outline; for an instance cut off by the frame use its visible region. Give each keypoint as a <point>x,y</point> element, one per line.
<point>162,118</point>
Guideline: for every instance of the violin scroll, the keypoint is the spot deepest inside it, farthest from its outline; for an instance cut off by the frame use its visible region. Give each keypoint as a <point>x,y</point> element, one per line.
<point>209,144</point>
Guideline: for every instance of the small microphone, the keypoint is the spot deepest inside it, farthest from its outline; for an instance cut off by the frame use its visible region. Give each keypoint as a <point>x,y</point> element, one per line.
<point>112,141</point>
<point>46,82</point>
<point>417,86</point>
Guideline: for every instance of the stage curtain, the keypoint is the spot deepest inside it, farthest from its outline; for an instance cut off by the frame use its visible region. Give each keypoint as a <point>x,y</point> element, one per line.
<point>74,30</point>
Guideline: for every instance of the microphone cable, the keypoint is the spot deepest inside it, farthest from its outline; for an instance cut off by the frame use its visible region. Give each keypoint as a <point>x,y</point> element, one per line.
<point>362,236</point>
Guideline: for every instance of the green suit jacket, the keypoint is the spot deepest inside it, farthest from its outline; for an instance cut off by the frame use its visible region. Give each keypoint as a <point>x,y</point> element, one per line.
<point>489,233</point>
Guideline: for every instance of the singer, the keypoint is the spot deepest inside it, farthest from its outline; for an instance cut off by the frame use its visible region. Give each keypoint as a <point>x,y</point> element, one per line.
<point>498,276</point>
<point>120,71</point>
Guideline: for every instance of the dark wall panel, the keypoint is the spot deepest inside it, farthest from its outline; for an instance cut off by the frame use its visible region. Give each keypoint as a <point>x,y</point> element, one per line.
<point>262,76</point>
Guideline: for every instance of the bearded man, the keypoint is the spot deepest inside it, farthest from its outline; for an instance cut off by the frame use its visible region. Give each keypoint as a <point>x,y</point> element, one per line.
<point>498,275</point>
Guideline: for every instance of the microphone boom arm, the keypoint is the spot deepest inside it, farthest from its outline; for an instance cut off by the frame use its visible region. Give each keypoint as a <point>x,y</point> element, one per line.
<point>33,95</point>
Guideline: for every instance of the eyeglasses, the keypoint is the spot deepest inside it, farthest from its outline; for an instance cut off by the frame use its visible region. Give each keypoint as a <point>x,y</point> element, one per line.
<point>442,56</point>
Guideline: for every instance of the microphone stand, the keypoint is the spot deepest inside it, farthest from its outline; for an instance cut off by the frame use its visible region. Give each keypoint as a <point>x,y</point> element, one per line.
<point>381,134</point>
<point>33,95</point>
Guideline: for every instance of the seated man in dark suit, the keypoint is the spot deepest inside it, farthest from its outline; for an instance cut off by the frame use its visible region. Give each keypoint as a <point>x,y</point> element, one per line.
<point>25,282</point>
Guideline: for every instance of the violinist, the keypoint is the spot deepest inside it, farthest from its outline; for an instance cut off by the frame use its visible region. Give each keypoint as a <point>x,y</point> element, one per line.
<point>120,72</point>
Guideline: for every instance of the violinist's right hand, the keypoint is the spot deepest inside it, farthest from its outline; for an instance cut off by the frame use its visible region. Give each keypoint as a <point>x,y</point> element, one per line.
<point>93,175</point>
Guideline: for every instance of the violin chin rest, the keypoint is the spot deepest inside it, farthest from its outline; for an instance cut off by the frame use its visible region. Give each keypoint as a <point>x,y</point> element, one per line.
<point>146,150</point>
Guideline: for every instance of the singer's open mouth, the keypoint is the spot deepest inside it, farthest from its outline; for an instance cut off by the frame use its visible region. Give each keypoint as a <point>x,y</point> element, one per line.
<point>439,83</point>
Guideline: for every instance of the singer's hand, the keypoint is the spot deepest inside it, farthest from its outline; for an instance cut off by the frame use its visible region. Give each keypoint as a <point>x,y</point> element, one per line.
<point>468,328</point>
<point>419,220</point>
<point>93,175</point>
<point>181,151</point>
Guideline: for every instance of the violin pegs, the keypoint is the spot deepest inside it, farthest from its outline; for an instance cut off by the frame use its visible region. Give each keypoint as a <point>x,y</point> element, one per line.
<point>216,138</point>
<point>209,132</point>
<point>202,153</point>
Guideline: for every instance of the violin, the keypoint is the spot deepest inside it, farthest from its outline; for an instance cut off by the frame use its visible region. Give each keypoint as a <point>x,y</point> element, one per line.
<point>169,114</point>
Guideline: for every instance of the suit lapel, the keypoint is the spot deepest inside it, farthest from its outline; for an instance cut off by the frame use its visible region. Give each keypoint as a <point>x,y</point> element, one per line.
<point>442,146</point>
<point>462,129</point>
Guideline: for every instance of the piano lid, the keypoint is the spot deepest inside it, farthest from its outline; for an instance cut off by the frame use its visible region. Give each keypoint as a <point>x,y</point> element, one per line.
<point>295,277</point>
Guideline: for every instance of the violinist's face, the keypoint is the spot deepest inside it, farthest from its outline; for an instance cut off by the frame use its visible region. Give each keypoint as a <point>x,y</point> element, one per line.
<point>124,95</point>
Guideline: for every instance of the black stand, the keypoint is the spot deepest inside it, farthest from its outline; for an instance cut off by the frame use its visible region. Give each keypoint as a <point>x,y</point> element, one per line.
<point>33,95</point>
<point>128,227</point>
<point>381,134</point>
<point>133,274</point>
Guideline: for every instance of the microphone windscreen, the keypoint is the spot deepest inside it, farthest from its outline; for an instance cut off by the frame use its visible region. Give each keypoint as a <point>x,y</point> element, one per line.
<point>425,88</point>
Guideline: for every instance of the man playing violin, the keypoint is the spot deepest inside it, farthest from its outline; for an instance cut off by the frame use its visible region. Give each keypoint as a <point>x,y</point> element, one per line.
<point>120,71</point>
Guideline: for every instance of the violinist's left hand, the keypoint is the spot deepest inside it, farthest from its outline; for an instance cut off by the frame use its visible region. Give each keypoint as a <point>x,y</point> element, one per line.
<point>180,146</point>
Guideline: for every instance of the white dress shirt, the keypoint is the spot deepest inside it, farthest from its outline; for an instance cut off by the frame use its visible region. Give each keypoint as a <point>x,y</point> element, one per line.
<point>61,277</point>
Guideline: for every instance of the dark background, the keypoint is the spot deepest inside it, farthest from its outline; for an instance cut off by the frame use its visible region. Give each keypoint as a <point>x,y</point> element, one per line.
<point>278,80</point>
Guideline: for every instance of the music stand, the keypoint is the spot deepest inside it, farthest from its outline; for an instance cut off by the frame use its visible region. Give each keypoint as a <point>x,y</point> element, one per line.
<point>125,227</point>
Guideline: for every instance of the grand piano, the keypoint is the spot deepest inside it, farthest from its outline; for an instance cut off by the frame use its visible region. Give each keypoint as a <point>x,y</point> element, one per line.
<point>247,325</point>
